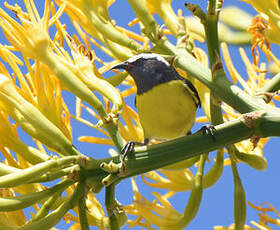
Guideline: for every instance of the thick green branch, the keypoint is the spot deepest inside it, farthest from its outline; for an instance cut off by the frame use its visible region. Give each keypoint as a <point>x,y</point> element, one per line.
<point>149,158</point>
<point>110,203</point>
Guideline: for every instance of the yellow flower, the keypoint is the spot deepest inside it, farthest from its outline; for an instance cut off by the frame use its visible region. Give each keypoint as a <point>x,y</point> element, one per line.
<point>179,180</point>
<point>269,11</point>
<point>31,37</point>
<point>9,139</point>
<point>41,88</point>
<point>93,16</point>
<point>12,219</point>
<point>164,10</point>
<point>265,27</point>
<point>31,119</point>
<point>158,212</point>
<point>265,219</point>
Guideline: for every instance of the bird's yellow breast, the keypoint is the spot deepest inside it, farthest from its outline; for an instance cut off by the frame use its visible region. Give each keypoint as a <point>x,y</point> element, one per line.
<point>166,111</point>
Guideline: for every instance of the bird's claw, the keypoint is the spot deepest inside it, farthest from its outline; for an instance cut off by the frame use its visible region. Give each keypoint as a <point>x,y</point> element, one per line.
<point>209,130</point>
<point>126,150</point>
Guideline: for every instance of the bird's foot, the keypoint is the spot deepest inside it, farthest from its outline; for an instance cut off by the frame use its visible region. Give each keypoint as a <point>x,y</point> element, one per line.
<point>129,149</point>
<point>208,130</point>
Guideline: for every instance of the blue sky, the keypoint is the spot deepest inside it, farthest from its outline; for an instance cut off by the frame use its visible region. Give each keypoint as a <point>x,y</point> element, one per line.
<point>217,202</point>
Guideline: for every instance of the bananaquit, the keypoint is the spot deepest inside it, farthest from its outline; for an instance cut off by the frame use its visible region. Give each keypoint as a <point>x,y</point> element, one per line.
<point>166,102</point>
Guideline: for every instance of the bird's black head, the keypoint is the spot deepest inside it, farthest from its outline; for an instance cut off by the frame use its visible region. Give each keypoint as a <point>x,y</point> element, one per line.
<point>148,70</point>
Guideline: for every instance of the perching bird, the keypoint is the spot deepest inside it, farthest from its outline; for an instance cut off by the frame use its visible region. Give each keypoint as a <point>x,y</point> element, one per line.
<point>166,102</point>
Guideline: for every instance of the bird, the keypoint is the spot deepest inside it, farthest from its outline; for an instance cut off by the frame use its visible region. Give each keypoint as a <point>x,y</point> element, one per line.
<point>166,102</point>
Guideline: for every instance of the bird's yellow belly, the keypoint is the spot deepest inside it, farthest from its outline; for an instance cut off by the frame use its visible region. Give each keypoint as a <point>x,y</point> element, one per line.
<point>166,111</point>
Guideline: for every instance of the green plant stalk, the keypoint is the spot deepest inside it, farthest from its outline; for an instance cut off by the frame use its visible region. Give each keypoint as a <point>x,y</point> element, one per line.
<point>53,175</point>
<point>105,89</point>
<point>110,203</point>
<point>54,217</point>
<point>216,116</point>
<point>148,158</point>
<point>82,208</point>
<point>6,169</point>
<point>239,198</point>
<point>44,210</point>
<point>117,79</point>
<point>213,175</point>
<point>272,86</point>
<point>105,27</point>
<point>117,50</point>
<point>195,196</point>
<point>212,39</point>
<point>170,18</point>
<point>23,201</point>
<point>26,175</point>
<point>29,153</point>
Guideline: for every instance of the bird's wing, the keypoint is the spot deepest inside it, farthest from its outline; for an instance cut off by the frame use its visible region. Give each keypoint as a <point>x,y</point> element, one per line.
<point>192,90</point>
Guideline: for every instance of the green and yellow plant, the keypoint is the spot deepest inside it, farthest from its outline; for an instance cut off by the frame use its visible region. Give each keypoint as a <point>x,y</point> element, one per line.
<point>36,68</point>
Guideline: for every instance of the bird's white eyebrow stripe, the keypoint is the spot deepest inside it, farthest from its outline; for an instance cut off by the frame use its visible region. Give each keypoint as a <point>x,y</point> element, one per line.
<point>147,56</point>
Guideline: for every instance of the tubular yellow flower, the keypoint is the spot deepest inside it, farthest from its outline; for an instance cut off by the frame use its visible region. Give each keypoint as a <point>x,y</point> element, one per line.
<point>12,219</point>
<point>95,17</point>
<point>10,139</point>
<point>165,11</point>
<point>47,89</point>
<point>42,89</point>
<point>30,37</point>
<point>269,10</point>
<point>166,216</point>
<point>31,119</point>
<point>84,68</point>
<point>264,218</point>
<point>179,180</point>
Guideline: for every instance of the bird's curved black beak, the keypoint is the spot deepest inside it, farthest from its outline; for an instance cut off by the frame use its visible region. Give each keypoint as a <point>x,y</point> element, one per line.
<point>122,65</point>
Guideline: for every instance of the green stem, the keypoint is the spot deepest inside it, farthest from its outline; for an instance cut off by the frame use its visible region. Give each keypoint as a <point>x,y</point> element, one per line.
<point>23,201</point>
<point>44,210</point>
<point>54,217</point>
<point>195,196</point>
<point>53,175</point>
<point>148,158</point>
<point>272,86</point>
<point>239,198</point>
<point>26,175</point>
<point>145,159</point>
<point>82,211</point>
<point>110,203</point>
